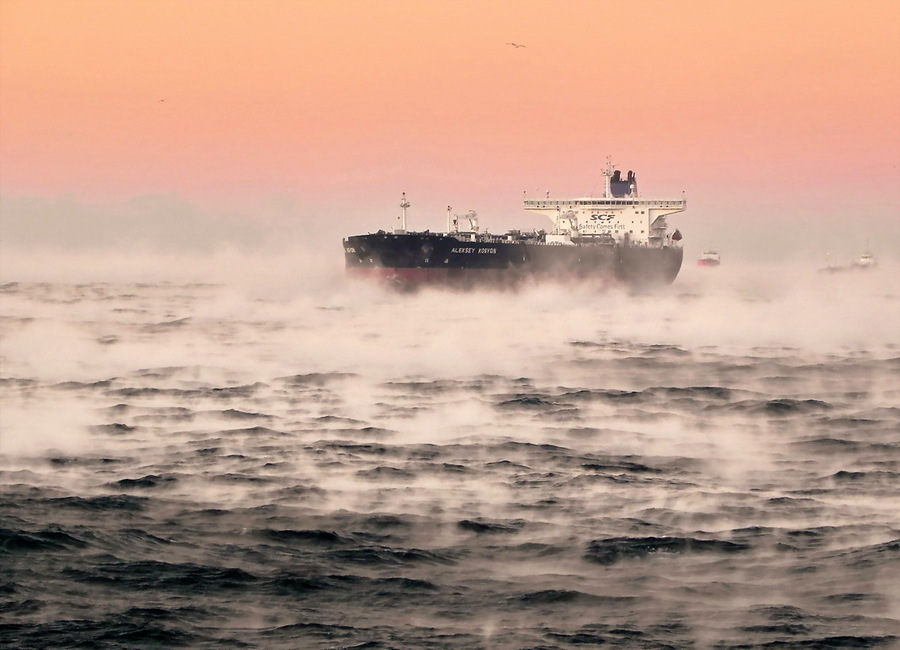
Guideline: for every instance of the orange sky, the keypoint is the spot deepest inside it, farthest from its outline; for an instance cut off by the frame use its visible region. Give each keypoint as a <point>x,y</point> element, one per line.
<point>756,108</point>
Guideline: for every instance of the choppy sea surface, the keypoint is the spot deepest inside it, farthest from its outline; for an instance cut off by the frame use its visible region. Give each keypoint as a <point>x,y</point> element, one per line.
<point>200,465</point>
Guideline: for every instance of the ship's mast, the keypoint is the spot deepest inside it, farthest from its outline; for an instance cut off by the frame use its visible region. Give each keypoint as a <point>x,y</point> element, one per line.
<point>401,229</point>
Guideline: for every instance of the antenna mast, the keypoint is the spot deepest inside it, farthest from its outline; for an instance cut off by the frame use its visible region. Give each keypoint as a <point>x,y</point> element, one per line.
<point>401,229</point>
<point>607,192</point>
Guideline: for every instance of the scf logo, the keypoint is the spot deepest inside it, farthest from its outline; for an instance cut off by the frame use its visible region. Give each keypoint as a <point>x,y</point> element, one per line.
<point>601,217</point>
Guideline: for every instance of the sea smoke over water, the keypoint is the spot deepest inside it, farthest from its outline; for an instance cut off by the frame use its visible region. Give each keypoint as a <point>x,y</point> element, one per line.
<point>275,458</point>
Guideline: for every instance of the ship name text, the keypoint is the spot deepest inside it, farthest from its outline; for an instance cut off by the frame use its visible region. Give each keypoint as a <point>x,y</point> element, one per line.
<point>489,251</point>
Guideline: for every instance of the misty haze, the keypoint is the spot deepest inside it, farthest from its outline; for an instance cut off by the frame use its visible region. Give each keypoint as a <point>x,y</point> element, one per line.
<point>328,465</point>
<point>212,435</point>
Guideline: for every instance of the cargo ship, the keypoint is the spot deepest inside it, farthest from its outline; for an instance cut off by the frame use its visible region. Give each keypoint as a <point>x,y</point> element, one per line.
<point>617,239</point>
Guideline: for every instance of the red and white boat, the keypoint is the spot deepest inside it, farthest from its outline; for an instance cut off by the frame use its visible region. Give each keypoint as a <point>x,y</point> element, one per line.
<point>708,258</point>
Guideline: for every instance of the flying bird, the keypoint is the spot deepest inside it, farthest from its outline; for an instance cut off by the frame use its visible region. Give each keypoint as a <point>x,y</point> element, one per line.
<point>516,45</point>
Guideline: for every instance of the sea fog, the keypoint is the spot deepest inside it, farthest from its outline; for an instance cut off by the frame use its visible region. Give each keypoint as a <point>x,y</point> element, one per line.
<point>266,455</point>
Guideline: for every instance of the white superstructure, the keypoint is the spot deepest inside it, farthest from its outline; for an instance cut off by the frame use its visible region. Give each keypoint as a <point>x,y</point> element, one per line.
<point>620,214</point>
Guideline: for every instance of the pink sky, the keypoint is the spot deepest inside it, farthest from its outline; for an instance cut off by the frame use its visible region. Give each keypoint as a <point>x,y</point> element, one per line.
<point>769,115</point>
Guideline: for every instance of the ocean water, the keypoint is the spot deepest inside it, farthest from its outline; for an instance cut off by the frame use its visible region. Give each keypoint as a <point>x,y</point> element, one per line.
<point>208,465</point>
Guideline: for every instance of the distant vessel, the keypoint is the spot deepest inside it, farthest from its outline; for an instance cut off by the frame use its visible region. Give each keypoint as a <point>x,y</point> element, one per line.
<point>618,238</point>
<point>709,258</point>
<point>865,262</point>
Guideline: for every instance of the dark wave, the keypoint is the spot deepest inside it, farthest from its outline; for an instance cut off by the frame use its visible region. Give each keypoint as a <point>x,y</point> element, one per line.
<point>568,597</point>
<point>316,378</point>
<point>237,414</point>
<point>165,326</point>
<point>384,472</point>
<point>774,407</point>
<point>338,586</point>
<point>615,549</point>
<point>78,385</point>
<point>870,556</point>
<point>144,483</point>
<point>719,393</point>
<point>609,395</point>
<point>390,556</point>
<point>115,502</point>
<point>153,574</point>
<point>306,537</point>
<point>86,461</point>
<point>190,394</point>
<point>529,402</point>
<point>115,428</point>
<point>481,527</point>
<point>112,632</point>
<point>51,539</point>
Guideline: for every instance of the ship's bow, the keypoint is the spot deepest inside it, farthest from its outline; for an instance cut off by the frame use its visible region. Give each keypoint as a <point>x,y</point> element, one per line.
<point>644,267</point>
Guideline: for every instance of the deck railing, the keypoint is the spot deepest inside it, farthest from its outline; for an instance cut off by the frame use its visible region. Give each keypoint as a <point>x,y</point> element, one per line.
<point>550,204</point>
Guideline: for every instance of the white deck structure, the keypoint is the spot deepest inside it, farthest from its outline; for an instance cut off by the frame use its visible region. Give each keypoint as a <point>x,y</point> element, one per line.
<point>620,214</point>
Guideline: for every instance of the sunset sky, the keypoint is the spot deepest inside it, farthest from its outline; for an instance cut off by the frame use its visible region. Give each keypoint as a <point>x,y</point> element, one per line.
<point>779,120</point>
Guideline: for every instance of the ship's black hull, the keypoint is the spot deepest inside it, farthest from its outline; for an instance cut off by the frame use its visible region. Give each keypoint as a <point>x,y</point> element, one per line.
<point>415,259</point>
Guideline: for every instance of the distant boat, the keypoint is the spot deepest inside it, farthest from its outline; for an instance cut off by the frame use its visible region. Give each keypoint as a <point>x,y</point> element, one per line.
<point>709,258</point>
<point>865,262</point>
